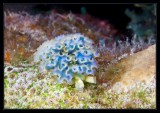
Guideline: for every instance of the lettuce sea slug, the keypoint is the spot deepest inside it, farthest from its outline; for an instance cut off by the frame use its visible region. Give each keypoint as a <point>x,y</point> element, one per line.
<point>68,56</point>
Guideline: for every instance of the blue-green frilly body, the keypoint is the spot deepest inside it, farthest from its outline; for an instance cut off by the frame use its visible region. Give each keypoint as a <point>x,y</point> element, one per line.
<point>67,56</point>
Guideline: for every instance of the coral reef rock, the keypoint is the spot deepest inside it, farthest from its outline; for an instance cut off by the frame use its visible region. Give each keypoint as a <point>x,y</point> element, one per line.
<point>139,67</point>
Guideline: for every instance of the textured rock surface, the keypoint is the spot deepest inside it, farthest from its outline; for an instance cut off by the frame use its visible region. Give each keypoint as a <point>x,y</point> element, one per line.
<point>25,87</point>
<point>139,67</point>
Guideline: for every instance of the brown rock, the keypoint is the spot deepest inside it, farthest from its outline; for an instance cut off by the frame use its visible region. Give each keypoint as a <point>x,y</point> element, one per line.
<point>139,67</point>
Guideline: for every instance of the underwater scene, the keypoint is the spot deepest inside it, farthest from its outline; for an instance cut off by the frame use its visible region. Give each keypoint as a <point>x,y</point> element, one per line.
<point>69,56</point>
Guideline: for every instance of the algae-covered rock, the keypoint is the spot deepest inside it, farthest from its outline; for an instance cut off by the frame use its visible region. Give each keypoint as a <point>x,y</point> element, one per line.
<point>26,88</point>
<point>25,32</point>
